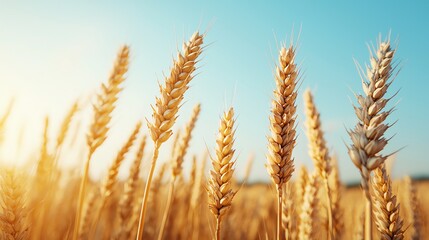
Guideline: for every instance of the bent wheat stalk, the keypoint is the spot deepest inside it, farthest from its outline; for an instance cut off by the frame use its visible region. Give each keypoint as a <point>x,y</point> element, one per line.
<point>367,136</point>
<point>167,105</point>
<point>282,126</point>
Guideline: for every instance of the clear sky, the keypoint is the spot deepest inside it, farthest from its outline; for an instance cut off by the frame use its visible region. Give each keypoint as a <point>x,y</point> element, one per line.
<point>52,53</point>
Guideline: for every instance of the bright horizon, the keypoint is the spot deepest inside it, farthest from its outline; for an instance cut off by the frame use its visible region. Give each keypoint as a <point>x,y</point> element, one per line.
<point>53,54</point>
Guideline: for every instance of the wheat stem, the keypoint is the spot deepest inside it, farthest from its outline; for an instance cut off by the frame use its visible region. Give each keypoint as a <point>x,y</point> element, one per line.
<point>279,212</point>
<point>167,209</point>
<point>146,194</point>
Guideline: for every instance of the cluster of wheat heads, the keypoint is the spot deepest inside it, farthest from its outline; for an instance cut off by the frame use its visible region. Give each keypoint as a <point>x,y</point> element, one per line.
<point>46,201</point>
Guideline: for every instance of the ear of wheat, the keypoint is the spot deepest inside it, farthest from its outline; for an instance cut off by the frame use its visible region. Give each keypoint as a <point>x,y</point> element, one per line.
<point>179,155</point>
<point>168,104</point>
<point>129,196</point>
<point>336,194</point>
<point>386,211</point>
<point>415,209</point>
<point>183,144</point>
<point>14,212</point>
<point>282,125</point>
<point>319,153</point>
<point>112,177</point>
<point>103,109</point>
<point>219,189</point>
<point>308,215</point>
<point>3,119</point>
<point>65,125</point>
<point>367,136</point>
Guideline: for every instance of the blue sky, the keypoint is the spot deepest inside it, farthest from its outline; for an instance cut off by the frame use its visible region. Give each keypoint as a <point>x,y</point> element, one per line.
<point>52,53</point>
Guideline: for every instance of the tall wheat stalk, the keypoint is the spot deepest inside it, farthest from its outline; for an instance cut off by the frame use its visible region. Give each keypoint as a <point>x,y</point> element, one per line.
<point>282,125</point>
<point>367,136</point>
<point>319,153</point>
<point>109,183</point>
<point>127,201</point>
<point>103,109</point>
<point>337,211</point>
<point>415,209</point>
<point>219,187</point>
<point>167,105</point>
<point>177,163</point>
<point>308,214</point>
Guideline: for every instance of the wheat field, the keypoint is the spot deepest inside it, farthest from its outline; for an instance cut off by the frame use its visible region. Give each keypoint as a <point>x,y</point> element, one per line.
<point>160,200</point>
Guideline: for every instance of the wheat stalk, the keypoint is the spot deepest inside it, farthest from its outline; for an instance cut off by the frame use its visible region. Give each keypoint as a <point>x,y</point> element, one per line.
<point>88,215</point>
<point>196,195</point>
<point>337,211</point>
<point>112,176</point>
<point>308,215</point>
<point>282,125</point>
<point>65,125</point>
<point>386,211</point>
<point>319,153</point>
<point>14,212</point>
<point>155,198</point>
<point>167,105</point>
<point>128,198</point>
<point>103,109</point>
<point>184,142</point>
<point>177,163</point>
<point>415,209</point>
<point>3,119</point>
<point>367,136</point>
<point>219,187</point>
<point>287,213</point>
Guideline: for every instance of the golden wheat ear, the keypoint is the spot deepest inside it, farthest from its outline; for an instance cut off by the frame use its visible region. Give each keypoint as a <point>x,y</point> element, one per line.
<point>219,187</point>
<point>368,135</point>
<point>309,216</point>
<point>103,108</point>
<point>13,217</point>
<point>319,153</point>
<point>282,137</point>
<point>128,199</point>
<point>386,208</point>
<point>167,105</point>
